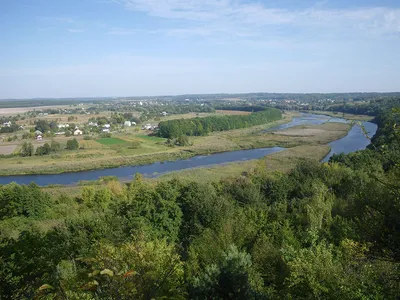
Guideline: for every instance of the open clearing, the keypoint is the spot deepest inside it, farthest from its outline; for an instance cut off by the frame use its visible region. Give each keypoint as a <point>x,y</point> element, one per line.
<point>233,112</point>
<point>300,132</point>
<point>21,110</point>
<point>5,150</point>
<point>111,141</point>
<point>150,138</point>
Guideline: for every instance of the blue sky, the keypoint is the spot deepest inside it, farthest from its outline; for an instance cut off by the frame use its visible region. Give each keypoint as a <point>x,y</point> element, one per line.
<point>89,48</point>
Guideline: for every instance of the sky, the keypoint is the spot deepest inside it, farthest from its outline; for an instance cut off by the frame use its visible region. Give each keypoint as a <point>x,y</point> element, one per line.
<point>99,48</point>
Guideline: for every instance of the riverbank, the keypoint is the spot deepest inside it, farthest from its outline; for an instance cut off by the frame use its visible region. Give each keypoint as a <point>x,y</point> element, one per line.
<point>96,156</point>
<point>283,161</point>
<point>346,116</point>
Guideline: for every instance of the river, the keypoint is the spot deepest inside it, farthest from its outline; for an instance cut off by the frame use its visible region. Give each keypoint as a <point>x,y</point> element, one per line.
<point>355,140</point>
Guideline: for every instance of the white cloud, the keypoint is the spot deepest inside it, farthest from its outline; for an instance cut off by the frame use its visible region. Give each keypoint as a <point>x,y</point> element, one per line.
<point>233,14</point>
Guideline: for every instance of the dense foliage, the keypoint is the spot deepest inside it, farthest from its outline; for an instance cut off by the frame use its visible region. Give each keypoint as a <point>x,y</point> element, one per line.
<point>374,107</point>
<point>12,128</point>
<point>45,126</point>
<point>72,144</point>
<point>322,231</point>
<point>203,126</point>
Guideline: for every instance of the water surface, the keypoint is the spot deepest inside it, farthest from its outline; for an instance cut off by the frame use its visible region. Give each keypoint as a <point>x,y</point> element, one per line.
<point>151,170</point>
<point>355,140</point>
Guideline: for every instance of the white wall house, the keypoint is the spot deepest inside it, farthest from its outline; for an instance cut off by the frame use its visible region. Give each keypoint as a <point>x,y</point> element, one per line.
<point>78,132</point>
<point>128,124</point>
<point>63,125</point>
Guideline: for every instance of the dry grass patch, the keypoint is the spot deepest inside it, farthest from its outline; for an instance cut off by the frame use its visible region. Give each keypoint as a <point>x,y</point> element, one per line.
<point>233,112</point>
<point>9,149</point>
<point>300,132</point>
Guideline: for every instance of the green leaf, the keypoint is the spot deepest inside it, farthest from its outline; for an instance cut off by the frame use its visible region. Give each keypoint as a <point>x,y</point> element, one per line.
<point>46,287</point>
<point>107,272</point>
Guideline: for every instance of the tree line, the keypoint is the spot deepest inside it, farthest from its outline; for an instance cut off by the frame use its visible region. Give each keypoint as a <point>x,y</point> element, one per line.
<point>203,126</point>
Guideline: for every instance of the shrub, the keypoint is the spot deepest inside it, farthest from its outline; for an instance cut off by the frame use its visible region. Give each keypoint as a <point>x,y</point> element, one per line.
<point>72,144</point>
<point>27,149</point>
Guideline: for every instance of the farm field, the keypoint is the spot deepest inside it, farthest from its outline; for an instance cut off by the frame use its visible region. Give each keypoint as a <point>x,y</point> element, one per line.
<point>7,149</point>
<point>21,110</point>
<point>111,141</point>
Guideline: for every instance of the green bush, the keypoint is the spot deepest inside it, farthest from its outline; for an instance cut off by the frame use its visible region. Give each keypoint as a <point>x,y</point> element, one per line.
<point>72,144</point>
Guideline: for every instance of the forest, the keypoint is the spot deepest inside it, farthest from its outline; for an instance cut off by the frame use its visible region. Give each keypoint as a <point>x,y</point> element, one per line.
<point>321,231</point>
<point>203,126</point>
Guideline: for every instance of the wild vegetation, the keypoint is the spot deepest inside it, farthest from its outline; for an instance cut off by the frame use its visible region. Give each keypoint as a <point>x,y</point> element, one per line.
<point>203,126</point>
<point>321,231</point>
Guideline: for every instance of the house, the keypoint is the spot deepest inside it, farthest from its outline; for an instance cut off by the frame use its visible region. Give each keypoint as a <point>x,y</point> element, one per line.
<point>164,113</point>
<point>147,127</point>
<point>60,133</point>
<point>133,123</point>
<point>38,132</point>
<point>94,124</point>
<point>128,124</point>
<point>106,130</point>
<point>78,132</point>
<point>107,126</point>
<point>39,138</point>
<point>7,124</point>
<point>63,125</point>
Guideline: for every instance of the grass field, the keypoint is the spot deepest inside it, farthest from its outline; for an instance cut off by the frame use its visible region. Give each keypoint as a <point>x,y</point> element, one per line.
<point>150,138</point>
<point>111,141</point>
<point>233,112</point>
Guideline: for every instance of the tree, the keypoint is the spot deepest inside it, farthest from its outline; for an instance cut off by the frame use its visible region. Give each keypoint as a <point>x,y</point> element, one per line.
<point>234,278</point>
<point>27,149</point>
<point>72,144</point>
<point>137,269</point>
<point>183,140</point>
<point>26,135</point>
<point>55,146</point>
<point>43,150</point>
